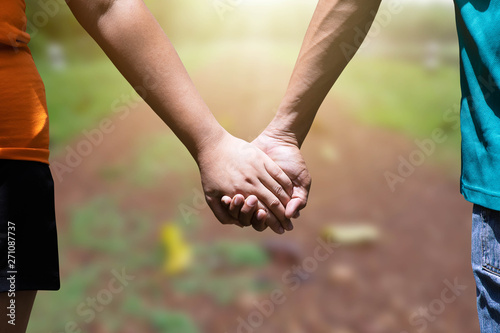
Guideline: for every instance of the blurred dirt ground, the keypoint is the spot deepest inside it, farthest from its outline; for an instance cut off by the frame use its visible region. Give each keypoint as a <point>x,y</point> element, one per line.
<point>379,288</point>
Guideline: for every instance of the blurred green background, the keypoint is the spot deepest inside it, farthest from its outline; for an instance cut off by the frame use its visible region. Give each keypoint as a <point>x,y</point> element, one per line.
<point>134,201</point>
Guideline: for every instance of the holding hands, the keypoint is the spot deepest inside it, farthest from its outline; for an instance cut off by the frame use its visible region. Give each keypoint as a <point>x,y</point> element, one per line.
<point>233,167</point>
<point>265,184</point>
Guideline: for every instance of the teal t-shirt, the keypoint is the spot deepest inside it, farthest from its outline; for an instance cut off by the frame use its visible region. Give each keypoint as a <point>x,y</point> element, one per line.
<point>478,27</point>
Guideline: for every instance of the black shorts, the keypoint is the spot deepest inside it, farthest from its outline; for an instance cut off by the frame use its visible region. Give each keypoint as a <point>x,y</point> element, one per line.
<point>28,237</point>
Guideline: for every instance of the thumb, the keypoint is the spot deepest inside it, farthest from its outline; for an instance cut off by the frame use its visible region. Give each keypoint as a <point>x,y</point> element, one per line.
<point>294,206</point>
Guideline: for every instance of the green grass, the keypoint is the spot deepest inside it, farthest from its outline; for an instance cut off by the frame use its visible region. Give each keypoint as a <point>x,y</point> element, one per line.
<point>84,92</point>
<point>402,96</point>
<point>399,95</point>
<point>53,310</point>
<point>221,271</point>
<point>98,226</point>
<point>158,156</point>
<point>80,95</point>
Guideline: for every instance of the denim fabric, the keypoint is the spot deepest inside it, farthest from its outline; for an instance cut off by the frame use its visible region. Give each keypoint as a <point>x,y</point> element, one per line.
<point>486,266</point>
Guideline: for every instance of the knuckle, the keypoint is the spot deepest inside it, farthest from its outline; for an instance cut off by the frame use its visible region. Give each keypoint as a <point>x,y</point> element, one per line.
<point>248,179</point>
<point>275,203</point>
<point>277,173</point>
<point>279,190</point>
<point>209,199</point>
<point>307,179</point>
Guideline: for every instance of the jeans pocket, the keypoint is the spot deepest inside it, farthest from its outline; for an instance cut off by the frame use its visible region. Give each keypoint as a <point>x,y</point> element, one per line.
<point>490,240</point>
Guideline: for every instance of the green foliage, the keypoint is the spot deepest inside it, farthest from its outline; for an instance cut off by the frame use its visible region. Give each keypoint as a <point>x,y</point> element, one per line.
<point>81,95</point>
<point>417,23</point>
<point>221,271</point>
<point>223,289</point>
<point>400,95</point>
<point>56,309</point>
<point>155,157</point>
<point>99,226</point>
<point>162,320</point>
<point>240,254</point>
<point>167,322</point>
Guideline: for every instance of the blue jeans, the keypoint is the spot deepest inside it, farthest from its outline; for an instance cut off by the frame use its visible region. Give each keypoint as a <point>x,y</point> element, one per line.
<point>486,266</point>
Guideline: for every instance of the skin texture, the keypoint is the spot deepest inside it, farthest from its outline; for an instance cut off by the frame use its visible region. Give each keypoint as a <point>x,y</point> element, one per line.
<point>134,41</point>
<point>288,157</point>
<point>136,44</point>
<point>238,166</point>
<point>330,43</point>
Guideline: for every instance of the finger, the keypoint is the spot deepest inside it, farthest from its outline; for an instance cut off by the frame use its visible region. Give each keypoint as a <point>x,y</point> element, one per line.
<point>275,225</point>
<point>259,217</point>
<point>235,206</point>
<point>248,210</point>
<point>272,181</point>
<point>273,205</point>
<point>259,220</point>
<point>226,200</point>
<point>261,214</point>
<point>280,177</point>
<point>293,207</point>
<point>297,203</point>
<point>221,213</point>
<point>267,219</point>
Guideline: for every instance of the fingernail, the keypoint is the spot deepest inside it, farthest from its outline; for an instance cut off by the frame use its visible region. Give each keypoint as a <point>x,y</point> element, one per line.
<point>238,200</point>
<point>281,230</point>
<point>296,215</point>
<point>252,201</point>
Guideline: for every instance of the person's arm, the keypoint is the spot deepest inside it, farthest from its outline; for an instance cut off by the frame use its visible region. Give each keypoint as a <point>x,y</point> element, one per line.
<point>136,44</point>
<point>330,42</point>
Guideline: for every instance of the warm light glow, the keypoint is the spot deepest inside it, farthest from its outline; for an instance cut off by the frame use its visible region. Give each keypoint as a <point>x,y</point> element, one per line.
<point>267,2</point>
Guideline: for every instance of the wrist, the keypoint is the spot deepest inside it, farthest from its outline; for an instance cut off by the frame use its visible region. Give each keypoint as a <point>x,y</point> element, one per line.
<point>213,138</point>
<point>279,131</point>
<point>286,127</point>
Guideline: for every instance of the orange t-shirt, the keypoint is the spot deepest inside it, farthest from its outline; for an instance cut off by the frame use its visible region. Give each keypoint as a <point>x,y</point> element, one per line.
<point>24,124</point>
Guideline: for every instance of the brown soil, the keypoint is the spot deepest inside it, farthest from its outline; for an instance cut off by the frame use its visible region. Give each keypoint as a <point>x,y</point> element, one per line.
<point>424,224</point>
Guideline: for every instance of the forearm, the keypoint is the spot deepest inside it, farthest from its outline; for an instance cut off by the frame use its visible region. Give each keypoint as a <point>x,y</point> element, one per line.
<point>328,46</point>
<point>136,44</point>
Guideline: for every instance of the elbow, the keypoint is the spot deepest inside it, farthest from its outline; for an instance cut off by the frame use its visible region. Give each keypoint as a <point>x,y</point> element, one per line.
<point>103,7</point>
<point>90,14</point>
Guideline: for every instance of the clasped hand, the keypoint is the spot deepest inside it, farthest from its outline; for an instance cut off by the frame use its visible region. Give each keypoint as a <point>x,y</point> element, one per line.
<point>263,184</point>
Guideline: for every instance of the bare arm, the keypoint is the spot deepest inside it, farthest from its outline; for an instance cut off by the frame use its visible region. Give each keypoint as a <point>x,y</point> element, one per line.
<point>330,43</point>
<point>328,46</point>
<point>130,36</point>
<point>136,44</point>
